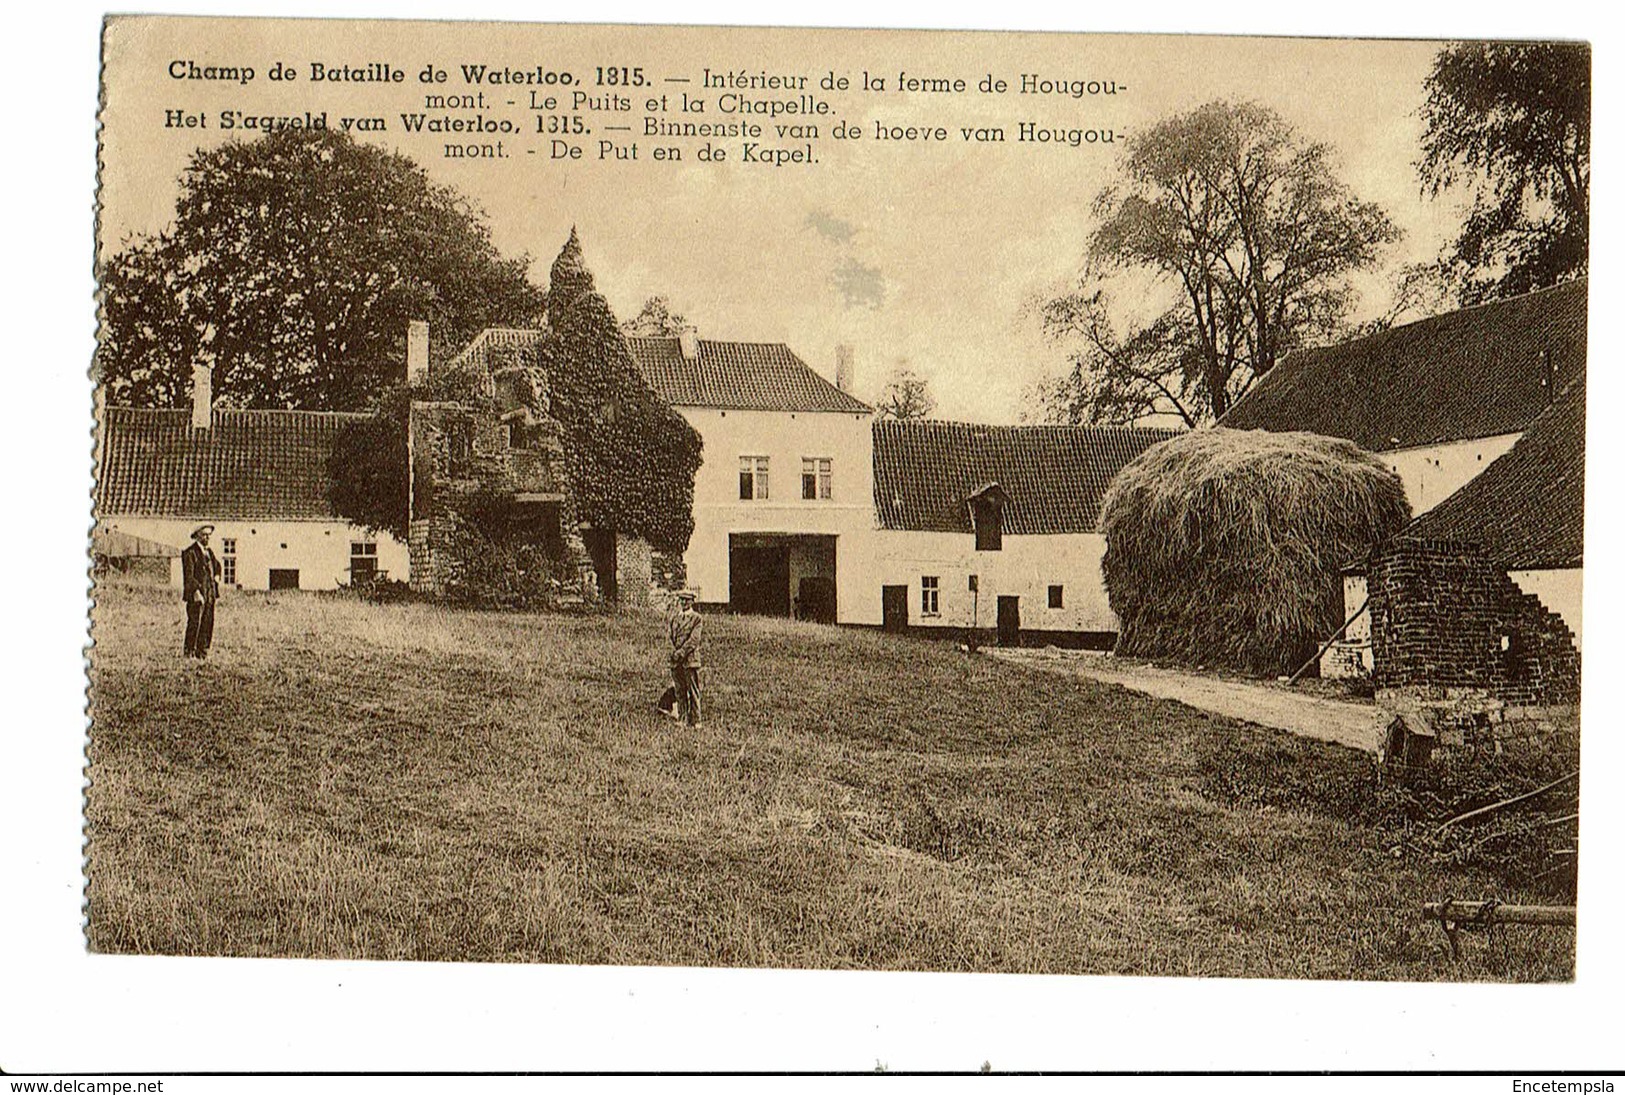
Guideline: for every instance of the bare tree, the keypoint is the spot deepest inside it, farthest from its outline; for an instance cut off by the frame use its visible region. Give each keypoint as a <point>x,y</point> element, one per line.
<point>1244,225</point>
<point>656,319</point>
<point>906,395</point>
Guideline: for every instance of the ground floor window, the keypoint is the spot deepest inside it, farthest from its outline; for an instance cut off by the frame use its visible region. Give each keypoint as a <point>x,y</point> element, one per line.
<point>930,590</point>
<point>1057,596</point>
<point>363,560</point>
<point>228,561</point>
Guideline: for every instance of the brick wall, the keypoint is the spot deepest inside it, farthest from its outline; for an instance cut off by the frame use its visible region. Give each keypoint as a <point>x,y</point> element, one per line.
<point>1346,660</point>
<point>1443,617</point>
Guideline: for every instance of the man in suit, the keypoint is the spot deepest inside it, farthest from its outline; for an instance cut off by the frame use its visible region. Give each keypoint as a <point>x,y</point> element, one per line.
<point>685,632</point>
<point>200,588</point>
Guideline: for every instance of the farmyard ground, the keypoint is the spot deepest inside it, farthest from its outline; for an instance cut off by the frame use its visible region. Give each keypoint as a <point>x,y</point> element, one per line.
<point>408,782</point>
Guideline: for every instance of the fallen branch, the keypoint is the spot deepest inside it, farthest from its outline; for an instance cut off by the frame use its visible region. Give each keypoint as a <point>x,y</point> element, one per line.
<point>1490,809</point>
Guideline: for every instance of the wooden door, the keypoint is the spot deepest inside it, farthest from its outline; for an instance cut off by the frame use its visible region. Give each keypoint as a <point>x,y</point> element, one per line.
<point>759,579</point>
<point>815,599</point>
<point>1009,621</point>
<point>894,608</point>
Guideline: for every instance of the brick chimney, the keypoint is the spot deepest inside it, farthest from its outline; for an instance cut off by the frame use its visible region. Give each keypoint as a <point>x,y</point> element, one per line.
<point>202,395</point>
<point>417,353</point>
<point>688,340</point>
<point>844,367</point>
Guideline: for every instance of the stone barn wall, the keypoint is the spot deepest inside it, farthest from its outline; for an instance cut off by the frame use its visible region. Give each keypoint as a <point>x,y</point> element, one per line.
<point>1461,656</point>
<point>1444,617</point>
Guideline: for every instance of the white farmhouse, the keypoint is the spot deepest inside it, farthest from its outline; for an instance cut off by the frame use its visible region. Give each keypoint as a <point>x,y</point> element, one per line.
<point>992,528</point>
<point>260,477</point>
<point>784,496</point>
<point>1439,399</point>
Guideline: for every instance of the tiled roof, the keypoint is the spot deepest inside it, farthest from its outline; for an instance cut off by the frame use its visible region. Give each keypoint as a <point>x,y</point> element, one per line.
<point>247,464</point>
<point>1526,511</point>
<point>1055,476</point>
<point>758,376</point>
<point>1473,373</point>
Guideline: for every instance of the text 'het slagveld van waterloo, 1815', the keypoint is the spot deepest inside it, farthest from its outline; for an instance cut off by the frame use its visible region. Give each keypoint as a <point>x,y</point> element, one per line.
<point>630,114</point>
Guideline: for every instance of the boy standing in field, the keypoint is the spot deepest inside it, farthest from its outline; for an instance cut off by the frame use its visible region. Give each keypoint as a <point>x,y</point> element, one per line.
<point>685,633</point>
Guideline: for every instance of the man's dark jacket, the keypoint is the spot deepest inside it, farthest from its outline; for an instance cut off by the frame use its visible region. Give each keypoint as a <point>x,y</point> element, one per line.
<point>200,573</point>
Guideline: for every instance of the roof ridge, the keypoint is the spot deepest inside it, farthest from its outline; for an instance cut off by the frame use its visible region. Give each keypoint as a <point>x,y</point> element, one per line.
<point>738,375</point>
<point>1470,372</point>
<point>124,409</point>
<point>1055,474</point>
<point>717,341</point>
<point>1437,317</point>
<point>1060,426</point>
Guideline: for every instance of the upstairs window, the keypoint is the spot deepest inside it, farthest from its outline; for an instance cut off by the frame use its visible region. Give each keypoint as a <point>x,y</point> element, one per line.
<point>988,516</point>
<point>752,478</point>
<point>1057,596</point>
<point>930,593</point>
<point>815,478</point>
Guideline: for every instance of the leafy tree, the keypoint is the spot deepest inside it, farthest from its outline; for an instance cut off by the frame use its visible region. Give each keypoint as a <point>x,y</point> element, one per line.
<point>656,319</point>
<point>906,395</point>
<point>631,458</point>
<point>1245,227</point>
<point>294,265</point>
<point>367,475</point>
<point>1510,123</point>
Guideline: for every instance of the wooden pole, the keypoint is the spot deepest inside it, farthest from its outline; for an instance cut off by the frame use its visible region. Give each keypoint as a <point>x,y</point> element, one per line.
<point>1327,645</point>
<point>1473,912</point>
<point>1494,806</point>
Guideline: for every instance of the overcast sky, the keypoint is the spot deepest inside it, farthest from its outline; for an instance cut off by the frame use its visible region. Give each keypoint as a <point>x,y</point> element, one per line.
<point>933,255</point>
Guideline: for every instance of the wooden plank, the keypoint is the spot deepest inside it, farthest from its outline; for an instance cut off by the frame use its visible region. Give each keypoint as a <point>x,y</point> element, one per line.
<point>1327,645</point>
<point>1468,912</point>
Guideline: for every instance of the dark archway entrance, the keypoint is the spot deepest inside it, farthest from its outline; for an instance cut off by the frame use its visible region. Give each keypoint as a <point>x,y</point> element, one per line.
<point>782,574</point>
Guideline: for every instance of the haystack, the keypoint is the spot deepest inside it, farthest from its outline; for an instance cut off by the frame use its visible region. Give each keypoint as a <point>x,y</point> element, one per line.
<point>1224,547</point>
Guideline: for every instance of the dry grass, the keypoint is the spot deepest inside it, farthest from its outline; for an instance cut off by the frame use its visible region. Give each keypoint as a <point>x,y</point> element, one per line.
<point>1223,547</point>
<point>351,780</point>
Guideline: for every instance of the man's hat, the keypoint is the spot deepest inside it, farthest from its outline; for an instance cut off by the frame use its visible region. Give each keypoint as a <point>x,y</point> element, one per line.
<point>687,595</point>
<point>200,530</point>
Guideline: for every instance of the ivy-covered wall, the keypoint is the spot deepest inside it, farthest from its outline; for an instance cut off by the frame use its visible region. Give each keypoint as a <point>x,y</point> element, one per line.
<point>492,518</point>
<point>544,467</point>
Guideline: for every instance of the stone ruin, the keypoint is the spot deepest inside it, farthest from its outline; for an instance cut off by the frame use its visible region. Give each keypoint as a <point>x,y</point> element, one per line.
<point>1460,656</point>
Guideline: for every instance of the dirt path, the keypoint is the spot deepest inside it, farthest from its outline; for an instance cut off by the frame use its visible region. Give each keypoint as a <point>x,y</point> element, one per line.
<point>1359,725</point>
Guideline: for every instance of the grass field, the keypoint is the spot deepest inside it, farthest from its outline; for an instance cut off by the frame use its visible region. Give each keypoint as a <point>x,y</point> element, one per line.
<point>406,782</point>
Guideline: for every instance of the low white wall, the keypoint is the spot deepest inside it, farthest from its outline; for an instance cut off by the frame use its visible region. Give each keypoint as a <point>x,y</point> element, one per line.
<point>318,550</point>
<point>1432,473</point>
<point>1558,590</point>
<point>1026,567</point>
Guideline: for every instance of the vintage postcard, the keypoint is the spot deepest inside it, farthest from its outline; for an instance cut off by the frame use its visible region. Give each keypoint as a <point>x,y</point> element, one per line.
<point>839,500</point>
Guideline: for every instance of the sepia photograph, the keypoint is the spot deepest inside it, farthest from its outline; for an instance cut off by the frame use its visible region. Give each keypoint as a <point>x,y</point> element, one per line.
<point>638,497</point>
<point>520,539</point>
